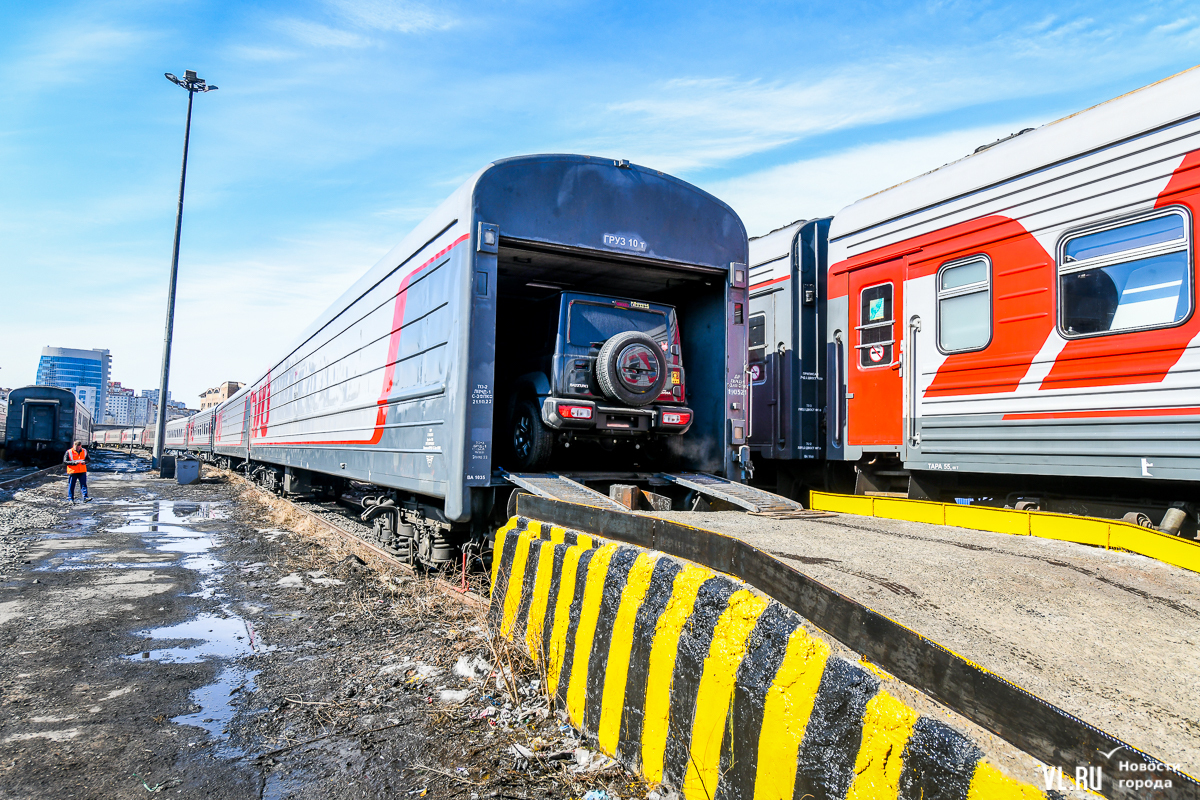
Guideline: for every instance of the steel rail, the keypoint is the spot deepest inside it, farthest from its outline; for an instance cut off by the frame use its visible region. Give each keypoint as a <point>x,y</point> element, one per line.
<point>441,584</point>
<point>40,473</point>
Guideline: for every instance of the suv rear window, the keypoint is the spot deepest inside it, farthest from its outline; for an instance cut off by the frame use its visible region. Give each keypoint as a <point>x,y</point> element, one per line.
<point>592,322</point>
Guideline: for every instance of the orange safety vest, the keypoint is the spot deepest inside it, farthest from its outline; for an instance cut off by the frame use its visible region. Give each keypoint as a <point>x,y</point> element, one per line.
<point>76,455</point>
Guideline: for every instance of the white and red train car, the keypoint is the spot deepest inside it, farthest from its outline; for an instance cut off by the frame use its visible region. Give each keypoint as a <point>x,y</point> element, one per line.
<point>231,431</point>
<point>1029,310</point>
<point>199,433</point>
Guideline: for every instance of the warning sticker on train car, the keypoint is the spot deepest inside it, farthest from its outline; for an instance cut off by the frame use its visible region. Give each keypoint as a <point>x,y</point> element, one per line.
<point>876,351</point>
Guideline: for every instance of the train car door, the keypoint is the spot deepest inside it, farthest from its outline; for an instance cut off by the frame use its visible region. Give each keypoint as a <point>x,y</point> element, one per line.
<point>40,421</point>
<point>875,399</point>
<point>764,377</point>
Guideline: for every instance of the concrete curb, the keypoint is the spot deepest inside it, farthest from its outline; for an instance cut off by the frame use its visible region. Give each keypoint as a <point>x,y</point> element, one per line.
<point>690,678</point>
<point>1106,533</point>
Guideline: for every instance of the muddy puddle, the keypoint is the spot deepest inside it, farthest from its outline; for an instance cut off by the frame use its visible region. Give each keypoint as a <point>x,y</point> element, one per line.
<point>185,534</point>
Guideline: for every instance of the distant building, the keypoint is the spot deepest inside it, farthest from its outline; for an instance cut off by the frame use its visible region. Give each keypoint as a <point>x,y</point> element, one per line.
<point>146,408</point>
<point>118,406</point>
<point>177,410</point>
<point>214,397</point>
<point>142,410</point>
<point>87,397</point>
<point>71,369</point>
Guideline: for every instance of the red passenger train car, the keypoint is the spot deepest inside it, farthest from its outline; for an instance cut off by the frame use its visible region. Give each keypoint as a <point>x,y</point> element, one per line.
<point>1029,310</point>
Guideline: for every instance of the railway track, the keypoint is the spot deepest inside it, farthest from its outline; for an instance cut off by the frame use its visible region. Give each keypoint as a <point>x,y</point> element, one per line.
<point>338,522</point>
<point>10,482</point>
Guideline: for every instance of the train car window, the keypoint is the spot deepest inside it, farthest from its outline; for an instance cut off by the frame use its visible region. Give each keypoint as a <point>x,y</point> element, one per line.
<point>1129,275</point>
<point>964,305</point>
<point>875,334</point>
<point>758,347</point>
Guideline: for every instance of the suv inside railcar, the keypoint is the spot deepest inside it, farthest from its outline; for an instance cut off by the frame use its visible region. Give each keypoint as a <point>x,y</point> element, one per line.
<point>595,357</point>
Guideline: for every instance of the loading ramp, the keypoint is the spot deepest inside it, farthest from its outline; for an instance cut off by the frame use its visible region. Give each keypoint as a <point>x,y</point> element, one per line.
<point>554,486</point>
<point>565,487</point>
<point>755,501</point>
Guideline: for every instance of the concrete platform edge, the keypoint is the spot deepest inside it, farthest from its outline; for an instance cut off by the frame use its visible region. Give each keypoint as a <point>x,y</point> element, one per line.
<point>1044,731</point>
<point>1105,533</point>
<point>689,678</point>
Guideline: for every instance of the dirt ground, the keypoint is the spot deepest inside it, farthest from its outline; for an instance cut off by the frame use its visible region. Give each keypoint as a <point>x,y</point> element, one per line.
<point>198,641</point>
<point>1111,637</point>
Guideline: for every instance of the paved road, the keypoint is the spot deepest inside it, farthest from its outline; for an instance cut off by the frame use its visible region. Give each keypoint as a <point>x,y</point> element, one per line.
<point>1111,637</point>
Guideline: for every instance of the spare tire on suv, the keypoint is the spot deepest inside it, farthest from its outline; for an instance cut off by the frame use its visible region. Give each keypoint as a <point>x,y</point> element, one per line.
<point>631,369</point>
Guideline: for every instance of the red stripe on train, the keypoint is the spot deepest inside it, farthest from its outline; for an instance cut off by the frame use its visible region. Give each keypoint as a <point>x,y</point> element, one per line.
<point>393,351</point>
<point>769,283</point>
<point>1120,412</point>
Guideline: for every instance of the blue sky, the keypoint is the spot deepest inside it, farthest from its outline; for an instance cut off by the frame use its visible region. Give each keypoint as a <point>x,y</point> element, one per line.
<point>340,124</point>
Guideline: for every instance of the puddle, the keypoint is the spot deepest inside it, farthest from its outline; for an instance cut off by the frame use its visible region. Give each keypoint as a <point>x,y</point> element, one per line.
<point>112,461</point>
<point>94,559</point>
<point>214,637</point>
<point>216,703</point>
<point>184,528</point>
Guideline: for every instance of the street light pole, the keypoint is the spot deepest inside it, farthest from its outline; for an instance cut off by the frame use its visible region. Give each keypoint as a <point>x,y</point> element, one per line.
<point>193,84</point>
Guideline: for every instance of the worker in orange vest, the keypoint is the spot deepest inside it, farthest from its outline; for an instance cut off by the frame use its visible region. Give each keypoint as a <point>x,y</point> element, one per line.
<point>76,461</point>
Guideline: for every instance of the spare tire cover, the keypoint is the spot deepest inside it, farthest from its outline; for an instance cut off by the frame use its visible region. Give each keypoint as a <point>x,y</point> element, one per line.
<point>631,369</point>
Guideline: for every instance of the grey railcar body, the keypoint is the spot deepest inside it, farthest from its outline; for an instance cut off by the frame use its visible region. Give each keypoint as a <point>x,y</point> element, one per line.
<point>394,384</point>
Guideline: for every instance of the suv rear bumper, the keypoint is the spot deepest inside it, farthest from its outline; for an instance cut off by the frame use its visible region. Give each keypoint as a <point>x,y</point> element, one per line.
<point>614,420</point>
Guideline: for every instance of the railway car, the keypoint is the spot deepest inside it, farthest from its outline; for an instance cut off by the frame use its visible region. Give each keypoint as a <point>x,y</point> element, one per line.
<point>199,432</point>
<point>231,432</point>
<point>787,350</point>
<point>1024,319</point>
<point>175,439</point>
<point>613,295</point>
<point>43,422</point>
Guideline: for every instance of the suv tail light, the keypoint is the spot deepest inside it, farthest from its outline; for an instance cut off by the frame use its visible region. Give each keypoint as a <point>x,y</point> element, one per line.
<point>676,417</point>
<point>574,412</point>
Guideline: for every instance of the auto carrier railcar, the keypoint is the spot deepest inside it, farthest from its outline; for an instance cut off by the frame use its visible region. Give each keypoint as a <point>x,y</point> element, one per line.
<point>418,380</point>
<point>43,422</point>
<point>1028,311</point>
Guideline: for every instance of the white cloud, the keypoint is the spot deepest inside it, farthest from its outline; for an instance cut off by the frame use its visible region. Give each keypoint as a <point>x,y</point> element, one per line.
<point>688,124</point>
<point>234,312</point>
<point>318,35</point>
<point>822,186</point>
<point>392,15</point>
<point>71,54</point>
<point>695,122</point>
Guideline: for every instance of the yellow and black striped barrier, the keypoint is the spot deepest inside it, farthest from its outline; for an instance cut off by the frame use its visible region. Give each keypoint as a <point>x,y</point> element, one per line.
<point>694,680</point>
<point>1106,533</point>
<point>1047,733</point>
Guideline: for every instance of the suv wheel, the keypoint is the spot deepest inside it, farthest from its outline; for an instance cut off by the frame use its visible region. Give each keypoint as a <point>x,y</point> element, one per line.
<point>532,442</point>
<point>631,369</point>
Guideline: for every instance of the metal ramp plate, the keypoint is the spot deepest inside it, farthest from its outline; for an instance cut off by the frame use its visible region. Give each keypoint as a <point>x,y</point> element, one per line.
<point>557,487</point>
<point>755,501</point>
